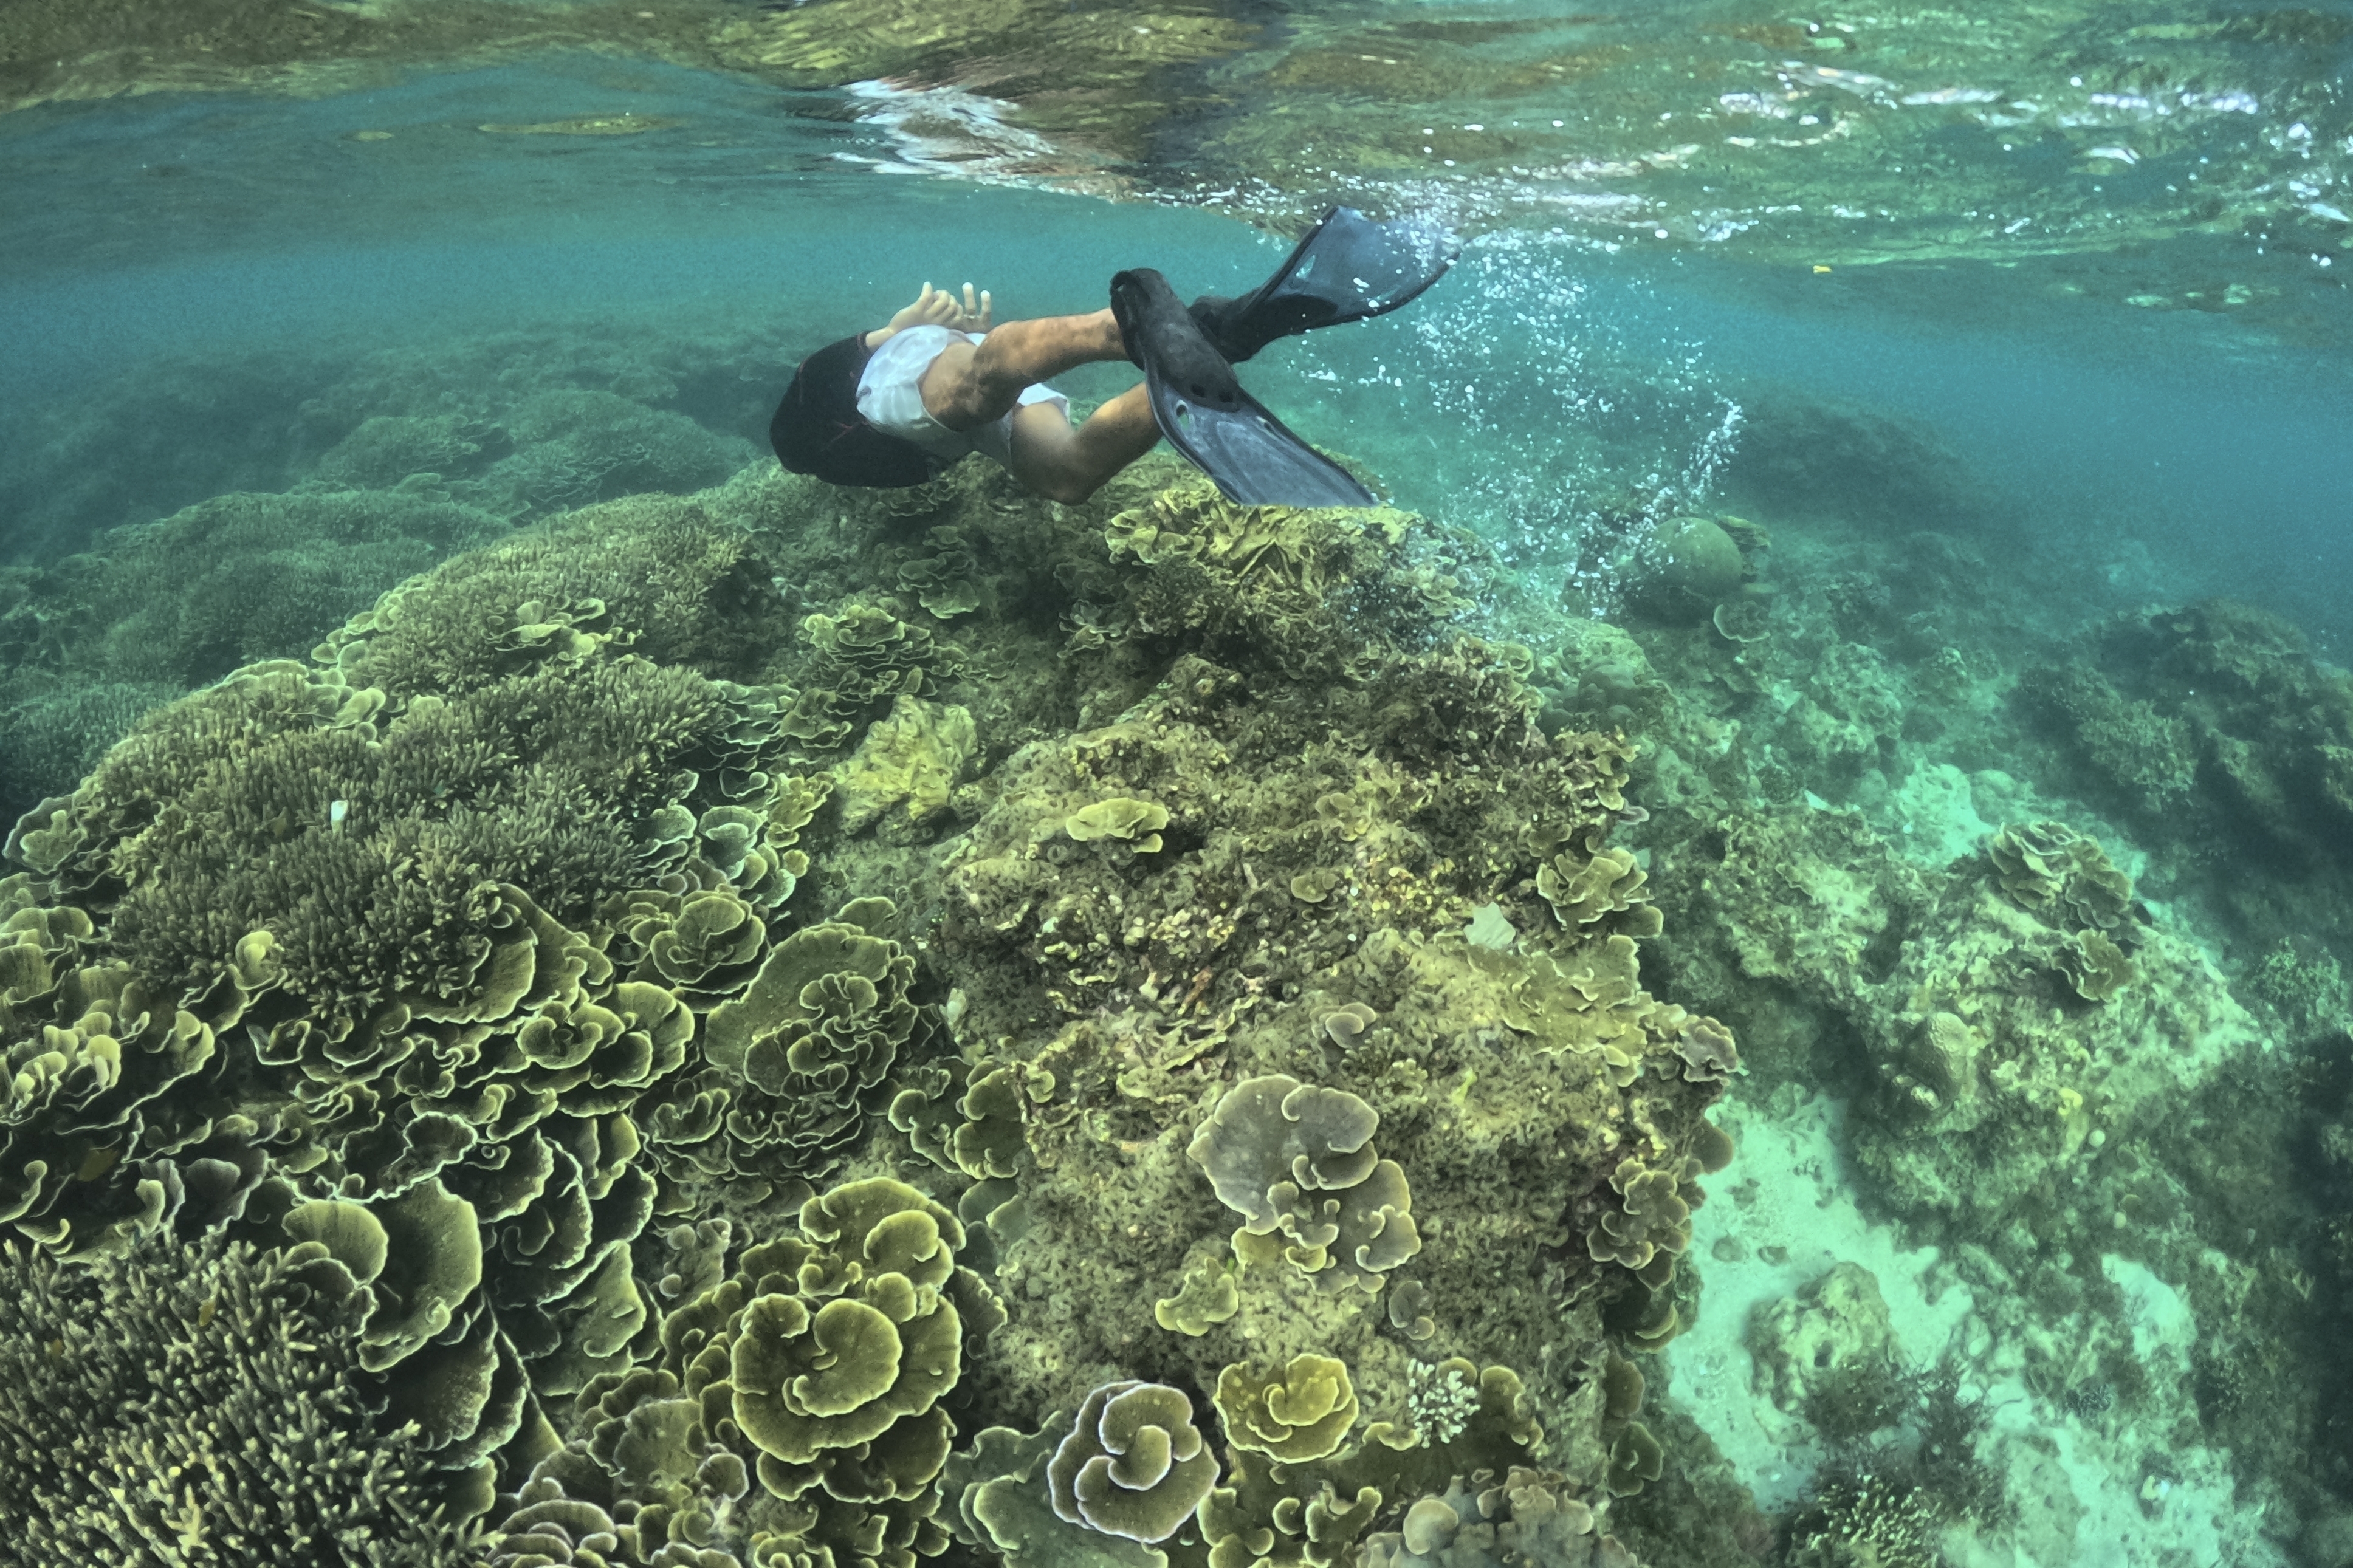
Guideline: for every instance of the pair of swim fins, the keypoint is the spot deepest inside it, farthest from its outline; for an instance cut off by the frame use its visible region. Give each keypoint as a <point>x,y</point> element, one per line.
<point>1346,269</point>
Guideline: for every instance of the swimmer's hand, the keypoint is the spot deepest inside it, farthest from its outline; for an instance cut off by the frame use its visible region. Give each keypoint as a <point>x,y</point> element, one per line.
<point>938,307</point>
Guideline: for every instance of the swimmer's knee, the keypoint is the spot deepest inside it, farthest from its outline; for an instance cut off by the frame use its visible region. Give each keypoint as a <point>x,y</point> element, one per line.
<point>1068,489</point>
<point>953,389</point>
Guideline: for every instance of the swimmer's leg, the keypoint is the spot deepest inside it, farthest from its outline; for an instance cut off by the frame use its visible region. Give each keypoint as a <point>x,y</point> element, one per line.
<point>1052,459</point>
<point>968,386</point>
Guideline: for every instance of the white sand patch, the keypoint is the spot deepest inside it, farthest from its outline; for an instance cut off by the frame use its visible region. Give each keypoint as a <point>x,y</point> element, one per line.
<point>1778,1219</point>
<point>2100,1492</point>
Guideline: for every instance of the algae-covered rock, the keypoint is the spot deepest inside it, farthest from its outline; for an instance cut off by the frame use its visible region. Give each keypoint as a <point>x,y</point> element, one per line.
<point>2212,718</point>
<point>1834,1328</point>
<point>573,446</point>
<point>1996,1068</point>
<point>1700,565</point>
<point>2148,755</point>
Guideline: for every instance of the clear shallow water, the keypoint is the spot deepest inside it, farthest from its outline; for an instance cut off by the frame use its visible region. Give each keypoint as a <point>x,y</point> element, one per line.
<point>2091,393</point>
<point>206,224</point>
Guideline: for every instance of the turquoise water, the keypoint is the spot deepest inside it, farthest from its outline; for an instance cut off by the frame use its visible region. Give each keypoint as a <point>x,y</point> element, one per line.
<point>2010,351</point>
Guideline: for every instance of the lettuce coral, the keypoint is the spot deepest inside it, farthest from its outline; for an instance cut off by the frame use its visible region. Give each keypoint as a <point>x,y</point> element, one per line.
<point>1274,1145</point>
<point>805,1050</point>
<point>1134,1464</point>
<point>1527,1517</point>
<point>816,1366</point>
<point>1278,583</point>
<point>1303,1412</point>
<point>2049,867</point>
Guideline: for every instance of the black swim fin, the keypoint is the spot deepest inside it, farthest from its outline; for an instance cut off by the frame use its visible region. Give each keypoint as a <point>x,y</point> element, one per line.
<point>1206,414</point>
<point>1348,268</point>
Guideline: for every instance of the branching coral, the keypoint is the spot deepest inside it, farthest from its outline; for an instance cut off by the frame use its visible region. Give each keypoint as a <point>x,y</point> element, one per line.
<point>179,1403</point>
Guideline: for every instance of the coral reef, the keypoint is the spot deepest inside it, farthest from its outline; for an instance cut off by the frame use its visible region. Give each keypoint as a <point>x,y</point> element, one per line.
<point>484,958</point>
<point>180,1402</point>
<point>2001,1004</point>
<point>2217,735</point>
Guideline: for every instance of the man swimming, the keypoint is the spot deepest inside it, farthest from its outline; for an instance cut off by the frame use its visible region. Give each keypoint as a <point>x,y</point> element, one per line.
<point>895,406</point>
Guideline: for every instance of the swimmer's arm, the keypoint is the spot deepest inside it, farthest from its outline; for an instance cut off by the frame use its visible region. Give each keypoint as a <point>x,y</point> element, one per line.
<point>938,307</point>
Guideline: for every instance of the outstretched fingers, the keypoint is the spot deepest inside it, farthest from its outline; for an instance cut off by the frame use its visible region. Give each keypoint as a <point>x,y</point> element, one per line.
<point>938,307</point>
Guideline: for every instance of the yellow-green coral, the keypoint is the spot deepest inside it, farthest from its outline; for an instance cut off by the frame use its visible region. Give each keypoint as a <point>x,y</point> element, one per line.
<point>961,1120</point>
<point>948,581</point>
<point>1585,891</point>
<point>2096,967</point>
<point>1526,1516</point>
<point>1655,1218</point>
<point>806,1051</point>
<point>2049,867</point>
<point>1276,584</point>
<point>1298,1160</point>
<point>817,1364</point>
<point>1134,1464</point>
<point>1302,1411</point>
<point>859,657</point>
<point>91,1053</point>
<point>1312,1513</point>
<point>1205,1295</point>
<point>1136,822</point>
